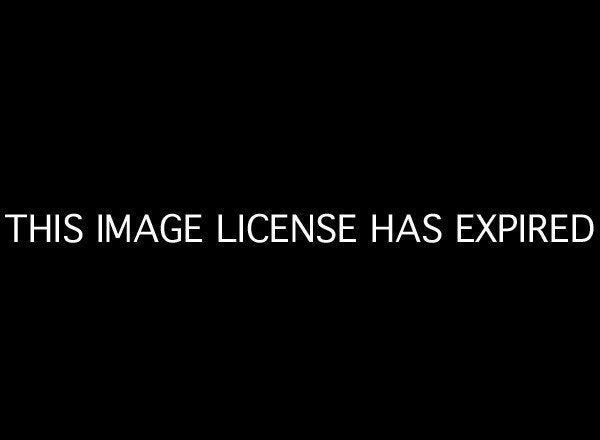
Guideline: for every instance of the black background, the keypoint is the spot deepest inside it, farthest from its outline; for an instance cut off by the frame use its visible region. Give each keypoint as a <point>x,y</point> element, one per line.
<point>386,112</point>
